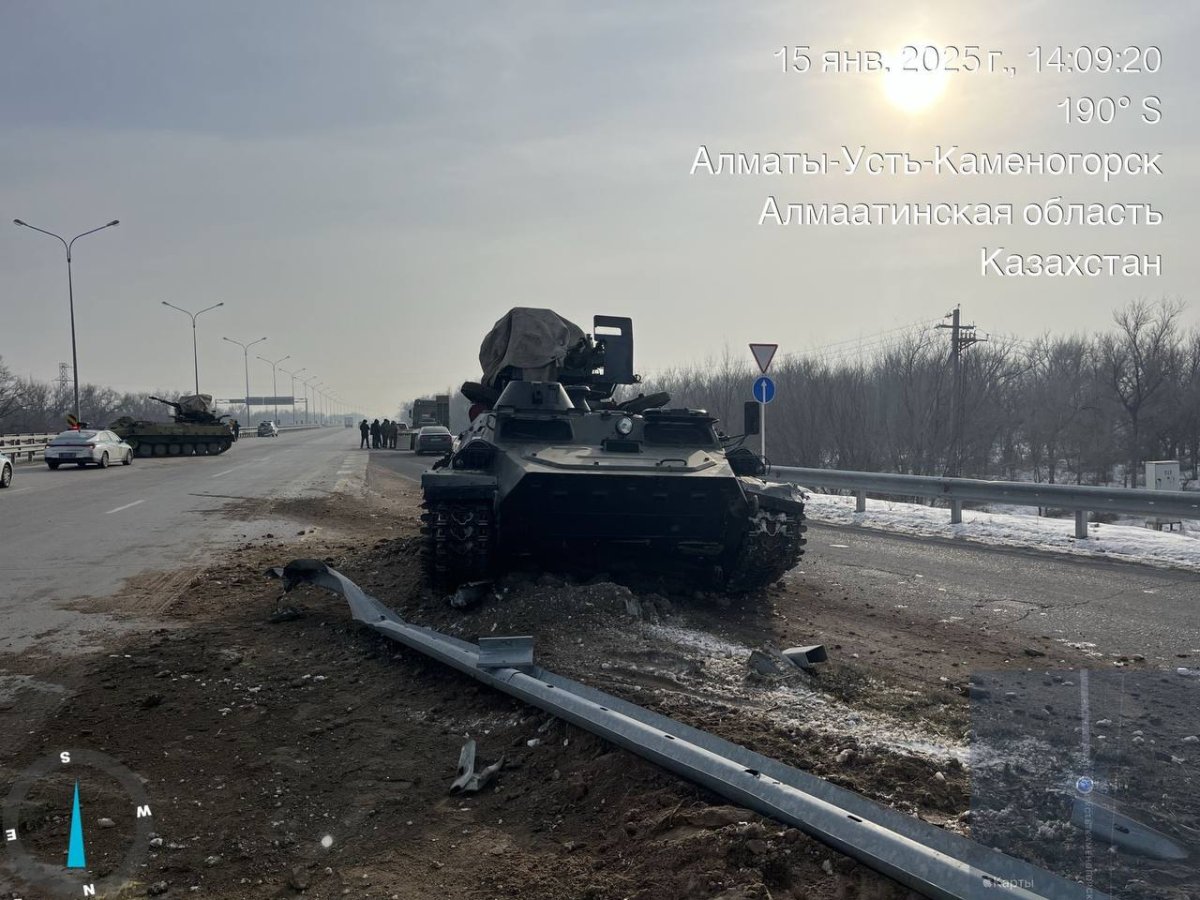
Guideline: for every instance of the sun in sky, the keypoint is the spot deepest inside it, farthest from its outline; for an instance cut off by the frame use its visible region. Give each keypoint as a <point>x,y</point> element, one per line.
<point>912,91</point>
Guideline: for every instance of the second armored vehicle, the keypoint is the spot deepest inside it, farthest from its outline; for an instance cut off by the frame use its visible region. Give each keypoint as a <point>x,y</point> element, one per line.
<point>194,431</point>
<point>553,470</point>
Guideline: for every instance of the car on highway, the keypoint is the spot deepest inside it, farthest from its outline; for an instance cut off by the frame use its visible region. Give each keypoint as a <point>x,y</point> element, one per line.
<point>87,447</point>
<point>5,471</point>
<point>268,429</point>
<point>433,439</point>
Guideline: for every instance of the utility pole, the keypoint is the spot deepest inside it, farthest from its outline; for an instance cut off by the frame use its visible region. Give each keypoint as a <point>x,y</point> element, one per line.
<point>961,337</point>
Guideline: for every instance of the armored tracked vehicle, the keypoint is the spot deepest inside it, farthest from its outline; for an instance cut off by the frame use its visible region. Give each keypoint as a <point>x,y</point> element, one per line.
<point>556,472</point>
<point>195,430</point>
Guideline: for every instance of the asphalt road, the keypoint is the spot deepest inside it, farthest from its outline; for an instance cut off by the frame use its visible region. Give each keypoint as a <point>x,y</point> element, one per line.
<point>1120,608</point>
<point>403,462</point>
<point>79,533</point>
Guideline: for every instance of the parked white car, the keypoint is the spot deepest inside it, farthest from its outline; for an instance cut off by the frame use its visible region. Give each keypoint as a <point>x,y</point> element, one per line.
<point>87,447</point>
<point>5,471</point>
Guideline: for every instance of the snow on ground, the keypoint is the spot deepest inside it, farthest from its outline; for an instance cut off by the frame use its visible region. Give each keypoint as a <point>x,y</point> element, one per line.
<point>1126,543</point>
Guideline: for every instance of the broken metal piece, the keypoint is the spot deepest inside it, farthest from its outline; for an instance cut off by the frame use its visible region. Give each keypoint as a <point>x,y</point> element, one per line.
<point>298,571</point>
<point>768,663</point>
<point>934,862</point>
<point>471,593</point>
<point>515,652</point>
<point>807,657</point>
<point>1123,832</point>
<point>469,781</point>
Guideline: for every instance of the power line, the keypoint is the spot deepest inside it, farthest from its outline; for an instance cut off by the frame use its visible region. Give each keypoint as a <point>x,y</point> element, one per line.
<point>926,323</point>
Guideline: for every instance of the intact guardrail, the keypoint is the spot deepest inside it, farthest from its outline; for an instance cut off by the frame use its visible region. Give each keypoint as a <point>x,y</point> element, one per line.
<point>28,445</point>
<point>1081,499</point>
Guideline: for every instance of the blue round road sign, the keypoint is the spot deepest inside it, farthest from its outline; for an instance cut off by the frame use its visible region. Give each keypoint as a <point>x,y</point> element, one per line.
<point>764,389</point>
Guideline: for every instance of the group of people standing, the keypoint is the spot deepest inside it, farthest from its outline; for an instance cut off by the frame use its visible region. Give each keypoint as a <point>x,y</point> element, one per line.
<point>381,435</point>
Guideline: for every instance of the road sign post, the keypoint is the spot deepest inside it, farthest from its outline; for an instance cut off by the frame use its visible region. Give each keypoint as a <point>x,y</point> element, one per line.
<point>764,393</point>
<point>764,389</point>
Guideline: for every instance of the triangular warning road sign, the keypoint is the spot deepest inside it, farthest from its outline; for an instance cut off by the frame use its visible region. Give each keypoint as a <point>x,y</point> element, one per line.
<point>763,354</point>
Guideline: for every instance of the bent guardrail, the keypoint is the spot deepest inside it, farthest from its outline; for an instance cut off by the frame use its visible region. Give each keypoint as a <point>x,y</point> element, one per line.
<point>14,446</point>
<point>1081,499</point>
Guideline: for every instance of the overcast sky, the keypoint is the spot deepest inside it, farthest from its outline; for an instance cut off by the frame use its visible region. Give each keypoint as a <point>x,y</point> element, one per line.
<point>371,185</point>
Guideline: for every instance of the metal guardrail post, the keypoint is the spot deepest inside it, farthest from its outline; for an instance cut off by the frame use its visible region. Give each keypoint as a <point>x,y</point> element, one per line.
<point>955,512</point>
<point>1081,523</point>
<point>860,501</point>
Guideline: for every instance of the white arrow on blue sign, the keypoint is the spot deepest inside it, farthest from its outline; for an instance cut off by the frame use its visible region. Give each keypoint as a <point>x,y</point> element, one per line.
<point>764,389</point>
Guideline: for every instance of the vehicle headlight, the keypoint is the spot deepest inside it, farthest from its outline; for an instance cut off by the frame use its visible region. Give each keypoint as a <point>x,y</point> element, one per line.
<point>624,426</point>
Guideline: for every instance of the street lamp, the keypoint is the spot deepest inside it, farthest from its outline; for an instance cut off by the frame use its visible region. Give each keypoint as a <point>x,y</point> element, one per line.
<point>274,387</point>
<point>194,316</point>
<point>293,377</point>
<point>246,357</point>
<point>308,383</point>
<point>70,291</point>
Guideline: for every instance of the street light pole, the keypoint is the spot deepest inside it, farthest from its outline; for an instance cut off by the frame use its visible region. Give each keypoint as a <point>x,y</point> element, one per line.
<point>308,383</point>
<point>194,316</point>
<point>246,360</point>
<point>294,374</point>
<point>274,386</point>
<point>70,291</point>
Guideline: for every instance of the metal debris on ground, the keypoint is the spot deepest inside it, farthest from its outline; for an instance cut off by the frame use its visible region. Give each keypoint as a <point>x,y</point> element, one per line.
<point>470,594</point>
<point>469,781</point>
<point>807,657</point>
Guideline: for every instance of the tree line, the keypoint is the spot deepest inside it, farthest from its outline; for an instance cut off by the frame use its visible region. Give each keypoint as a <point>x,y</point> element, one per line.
<point>30,406</point>
<point>1085,409</point>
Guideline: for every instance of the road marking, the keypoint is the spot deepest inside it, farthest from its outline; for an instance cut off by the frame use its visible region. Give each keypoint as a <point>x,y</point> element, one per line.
<point>126,506</point>
<point>234,469</point>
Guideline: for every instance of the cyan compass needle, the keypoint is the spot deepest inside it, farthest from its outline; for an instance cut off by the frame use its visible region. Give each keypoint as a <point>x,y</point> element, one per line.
<point>76,858</point>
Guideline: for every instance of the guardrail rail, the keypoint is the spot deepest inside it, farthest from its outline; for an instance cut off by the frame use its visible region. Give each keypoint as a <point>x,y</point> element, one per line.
<point>14,446</point>
<point>1081,499</point>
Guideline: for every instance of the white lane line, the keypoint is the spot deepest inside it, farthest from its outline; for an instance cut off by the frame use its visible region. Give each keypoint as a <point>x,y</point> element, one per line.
<point>234,469</point>
<point>126,506</point>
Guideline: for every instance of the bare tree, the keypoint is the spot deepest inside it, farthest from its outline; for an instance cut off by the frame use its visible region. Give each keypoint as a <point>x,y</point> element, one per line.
<point>1139,362</point>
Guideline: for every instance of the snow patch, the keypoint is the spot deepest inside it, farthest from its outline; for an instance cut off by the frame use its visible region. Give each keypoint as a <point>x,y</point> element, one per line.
<point>1125,543</point>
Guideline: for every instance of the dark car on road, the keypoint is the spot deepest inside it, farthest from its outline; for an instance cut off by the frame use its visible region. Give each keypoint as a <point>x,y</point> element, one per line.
<point>268,429</point>
<point>433,439</point>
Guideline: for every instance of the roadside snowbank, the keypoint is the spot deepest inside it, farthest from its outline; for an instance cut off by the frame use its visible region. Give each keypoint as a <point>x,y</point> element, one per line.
<point>1127,543</point>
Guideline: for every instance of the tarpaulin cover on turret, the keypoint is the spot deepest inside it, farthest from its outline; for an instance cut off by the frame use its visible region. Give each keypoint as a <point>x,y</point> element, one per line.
<point>528,339</point>
<point>196,403</point>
